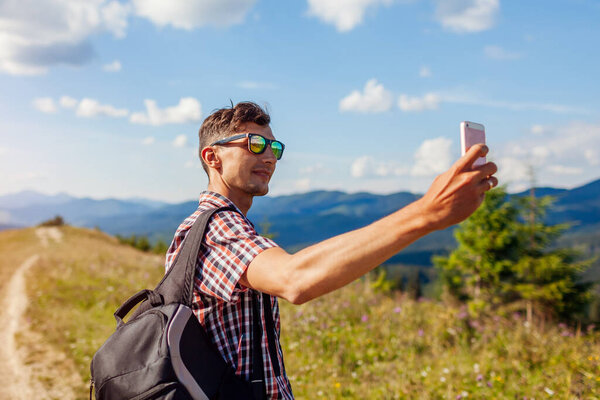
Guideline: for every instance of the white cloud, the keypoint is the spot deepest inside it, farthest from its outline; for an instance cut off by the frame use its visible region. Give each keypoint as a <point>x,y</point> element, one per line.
<point>344,14</point>
<point>318,168</point>
<point>45,105</point>
<point>187,110</point>
<point>180,141</point>
<point>467,16</point>
<point>433,157</point>
<point>148,141</point>
<point>302,184</point>
<point>430,101</point>
<point>565,156</point>
<point>592,156</point>
<point>67,102</point>
<point>38,34</point>
<point>114,66</point>
<point>425,72</point>
<point>564,170</point>
<point>474,99</point>
<point>190,14</point>
<point>499,53</point>
<point>3,150</point>
<point>361,166</point>
<point>537,129</point>
<point>367,166</point>
<point>374,99</point>
<point>92,108</point>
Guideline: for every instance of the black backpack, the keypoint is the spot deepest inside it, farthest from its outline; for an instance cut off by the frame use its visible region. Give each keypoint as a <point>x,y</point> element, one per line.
<point>163,352</point>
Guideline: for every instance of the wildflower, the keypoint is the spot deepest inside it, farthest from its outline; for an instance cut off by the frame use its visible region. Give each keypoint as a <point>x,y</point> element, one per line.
<point>462,315</point>
<point>489,383</point>
<point>549,391</point>
<point>397,309</point>
<point>476,367</point>
<point>479,378</point>
<point>420,333</point>
<point>338,385</point>
<point>423,373</point>
<point>446,371</point>
<point>443,379</point>
<point>364,318</point>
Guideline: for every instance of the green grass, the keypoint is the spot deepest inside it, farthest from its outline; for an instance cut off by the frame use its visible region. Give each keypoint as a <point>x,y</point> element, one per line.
<point>354,343</point>
<point>359,344</point>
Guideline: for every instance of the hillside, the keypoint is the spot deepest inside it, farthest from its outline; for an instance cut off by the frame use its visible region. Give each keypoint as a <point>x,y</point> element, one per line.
<point>78,278</point>
<point>297,220</point>
<point>355,343</point>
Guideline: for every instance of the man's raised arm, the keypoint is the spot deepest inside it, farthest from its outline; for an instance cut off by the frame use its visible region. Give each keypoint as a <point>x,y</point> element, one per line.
<point>335,262</point>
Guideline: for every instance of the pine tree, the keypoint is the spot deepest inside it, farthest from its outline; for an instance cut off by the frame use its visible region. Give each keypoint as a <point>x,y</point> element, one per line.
<point>505,258</point>
<point>478,270</point>
<point>546,277</point>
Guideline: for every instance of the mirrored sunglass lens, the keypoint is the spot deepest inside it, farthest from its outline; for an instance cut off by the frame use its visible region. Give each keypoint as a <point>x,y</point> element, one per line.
<point>257,144</point>
<point>277,149</point>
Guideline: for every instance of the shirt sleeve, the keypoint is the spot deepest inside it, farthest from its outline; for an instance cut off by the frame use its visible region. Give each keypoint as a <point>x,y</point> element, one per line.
<point>230,246</point>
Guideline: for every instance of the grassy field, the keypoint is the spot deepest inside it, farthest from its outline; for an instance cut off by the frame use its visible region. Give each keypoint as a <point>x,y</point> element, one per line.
<point>355,343</point>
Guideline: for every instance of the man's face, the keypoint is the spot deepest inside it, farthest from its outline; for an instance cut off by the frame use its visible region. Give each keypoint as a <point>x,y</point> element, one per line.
<point>243,172</point>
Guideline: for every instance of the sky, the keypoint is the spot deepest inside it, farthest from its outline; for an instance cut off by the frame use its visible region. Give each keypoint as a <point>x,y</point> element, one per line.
<point>104,98</point>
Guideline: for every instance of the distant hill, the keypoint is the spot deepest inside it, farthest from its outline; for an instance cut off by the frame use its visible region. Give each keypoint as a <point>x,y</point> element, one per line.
<point>297,220</point>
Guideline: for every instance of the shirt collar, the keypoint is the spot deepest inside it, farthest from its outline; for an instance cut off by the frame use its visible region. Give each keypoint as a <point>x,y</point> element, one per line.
<point>217,199</point>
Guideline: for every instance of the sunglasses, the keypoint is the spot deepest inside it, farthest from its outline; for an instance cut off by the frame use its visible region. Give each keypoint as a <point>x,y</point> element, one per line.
<point>257,144</point>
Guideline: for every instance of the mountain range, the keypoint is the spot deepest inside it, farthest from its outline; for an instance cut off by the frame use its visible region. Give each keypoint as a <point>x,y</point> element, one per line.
<point>296,220</point>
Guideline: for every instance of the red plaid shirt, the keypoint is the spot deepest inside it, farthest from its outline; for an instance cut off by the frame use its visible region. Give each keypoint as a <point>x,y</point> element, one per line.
<point>223,306</point>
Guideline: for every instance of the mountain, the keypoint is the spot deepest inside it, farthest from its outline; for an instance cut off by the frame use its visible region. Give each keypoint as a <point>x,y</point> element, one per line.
<point>30,208</point>
<point>29,197</point>
<point>297,220</point>
<point>579,206</point>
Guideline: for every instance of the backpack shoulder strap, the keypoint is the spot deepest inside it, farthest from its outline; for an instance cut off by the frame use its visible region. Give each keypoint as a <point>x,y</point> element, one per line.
<point>177,286</point>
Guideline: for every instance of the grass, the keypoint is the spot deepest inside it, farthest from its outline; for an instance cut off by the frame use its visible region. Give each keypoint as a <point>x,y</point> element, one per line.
<point>355,343</point>
<point>78,284</point>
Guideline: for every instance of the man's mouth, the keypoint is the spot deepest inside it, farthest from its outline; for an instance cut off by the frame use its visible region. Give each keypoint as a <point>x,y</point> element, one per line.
<point>262,173</point>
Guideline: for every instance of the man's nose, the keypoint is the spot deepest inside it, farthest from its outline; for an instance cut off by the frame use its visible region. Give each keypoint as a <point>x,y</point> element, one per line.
<point>269,155</point>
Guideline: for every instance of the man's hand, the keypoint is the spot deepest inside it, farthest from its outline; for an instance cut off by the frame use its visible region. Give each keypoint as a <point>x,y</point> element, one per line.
<point>458,192</point>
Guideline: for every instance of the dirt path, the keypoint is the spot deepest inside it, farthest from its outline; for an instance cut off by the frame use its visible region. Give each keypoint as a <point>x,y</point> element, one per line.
<point>15,378</point>
<point>22,348</point>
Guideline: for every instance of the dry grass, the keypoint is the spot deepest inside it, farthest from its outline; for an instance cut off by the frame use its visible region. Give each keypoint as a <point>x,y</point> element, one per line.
<point>74,289</point>
<point>354,343</point>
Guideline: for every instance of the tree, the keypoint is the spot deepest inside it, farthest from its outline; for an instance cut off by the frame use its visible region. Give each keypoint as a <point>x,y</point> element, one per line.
<point>547,277</point>
<point>506,258</point>
<point>477,271</point>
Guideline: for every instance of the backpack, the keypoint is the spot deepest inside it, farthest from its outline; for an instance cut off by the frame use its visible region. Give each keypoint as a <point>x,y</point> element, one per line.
<point>163,352</point>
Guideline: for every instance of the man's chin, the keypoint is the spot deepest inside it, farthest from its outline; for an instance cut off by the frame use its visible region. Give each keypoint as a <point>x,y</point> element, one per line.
<point>258,190</point>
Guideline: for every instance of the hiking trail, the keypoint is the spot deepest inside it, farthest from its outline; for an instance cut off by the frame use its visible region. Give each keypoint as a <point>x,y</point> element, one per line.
<point>25,359</point>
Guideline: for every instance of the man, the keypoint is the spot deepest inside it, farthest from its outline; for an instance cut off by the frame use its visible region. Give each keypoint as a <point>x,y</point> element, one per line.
<point>239,153</point>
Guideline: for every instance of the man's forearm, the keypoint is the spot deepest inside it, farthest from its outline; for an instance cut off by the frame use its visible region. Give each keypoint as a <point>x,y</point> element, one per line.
<point>333,263</point>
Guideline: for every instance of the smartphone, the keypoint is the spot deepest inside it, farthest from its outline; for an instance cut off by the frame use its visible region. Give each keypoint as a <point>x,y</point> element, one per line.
<point>472,133</point>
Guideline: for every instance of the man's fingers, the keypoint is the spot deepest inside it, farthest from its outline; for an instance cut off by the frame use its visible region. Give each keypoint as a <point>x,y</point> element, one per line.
<point>488,184</point>
<point>476,151</point>
<point>487,169</point>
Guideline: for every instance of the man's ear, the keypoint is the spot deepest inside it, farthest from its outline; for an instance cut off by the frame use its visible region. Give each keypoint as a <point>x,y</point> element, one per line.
<point>210,157</point>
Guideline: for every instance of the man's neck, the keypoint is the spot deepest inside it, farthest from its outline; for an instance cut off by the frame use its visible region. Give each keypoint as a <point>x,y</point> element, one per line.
<point>241,201</point>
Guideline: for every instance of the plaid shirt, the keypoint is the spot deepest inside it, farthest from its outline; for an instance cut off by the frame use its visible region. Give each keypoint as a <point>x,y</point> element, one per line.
<point>223,306</point>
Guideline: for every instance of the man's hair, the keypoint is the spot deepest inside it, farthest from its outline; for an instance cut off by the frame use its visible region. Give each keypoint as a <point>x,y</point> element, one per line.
<point>225,122</point>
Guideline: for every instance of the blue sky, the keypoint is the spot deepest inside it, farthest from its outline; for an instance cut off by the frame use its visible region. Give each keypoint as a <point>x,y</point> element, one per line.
<point>104,98</point>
